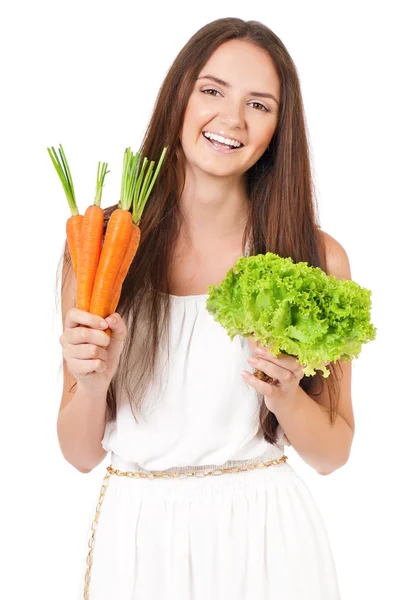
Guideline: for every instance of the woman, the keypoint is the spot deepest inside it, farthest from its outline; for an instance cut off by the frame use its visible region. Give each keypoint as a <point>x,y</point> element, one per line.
<point>166,397</point>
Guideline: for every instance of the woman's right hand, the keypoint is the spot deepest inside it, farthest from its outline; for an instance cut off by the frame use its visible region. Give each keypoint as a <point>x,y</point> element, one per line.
<point>91,355</point>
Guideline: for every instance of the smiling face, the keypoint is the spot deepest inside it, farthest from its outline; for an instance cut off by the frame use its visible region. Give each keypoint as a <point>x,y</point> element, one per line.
<point>232,108</point>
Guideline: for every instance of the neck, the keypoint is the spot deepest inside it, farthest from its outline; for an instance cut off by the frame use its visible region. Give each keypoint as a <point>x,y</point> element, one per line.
<point>213,207</point>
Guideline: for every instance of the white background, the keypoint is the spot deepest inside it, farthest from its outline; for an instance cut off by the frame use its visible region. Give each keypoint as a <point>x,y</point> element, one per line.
<point>86,75</point>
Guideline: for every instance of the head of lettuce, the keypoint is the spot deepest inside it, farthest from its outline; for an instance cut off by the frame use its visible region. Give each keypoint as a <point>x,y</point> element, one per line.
<point>293,308</point>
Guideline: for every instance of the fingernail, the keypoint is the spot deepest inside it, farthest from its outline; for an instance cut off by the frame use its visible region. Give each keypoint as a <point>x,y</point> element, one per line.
<point>245,374</point>
<point>251,360</point>
<point>103,324</point>
<point>112,320</point>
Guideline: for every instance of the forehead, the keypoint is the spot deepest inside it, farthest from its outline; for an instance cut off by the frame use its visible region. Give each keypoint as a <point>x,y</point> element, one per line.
<point>244,66</point>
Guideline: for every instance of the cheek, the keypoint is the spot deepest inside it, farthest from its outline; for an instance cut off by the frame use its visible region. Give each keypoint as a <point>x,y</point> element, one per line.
<point>261,125</point>
<point>261,135</point>
<point>197,115</point>
<point>260,138</point>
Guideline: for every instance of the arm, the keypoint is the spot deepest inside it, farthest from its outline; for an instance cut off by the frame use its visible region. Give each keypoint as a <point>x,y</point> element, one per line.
<point>323,446</point>
<point>80,429</point>
<point>307,424</point>
<point>81,416</point>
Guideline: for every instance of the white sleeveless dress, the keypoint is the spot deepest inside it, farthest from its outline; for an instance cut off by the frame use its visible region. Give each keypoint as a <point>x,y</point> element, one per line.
<point>252,535</point>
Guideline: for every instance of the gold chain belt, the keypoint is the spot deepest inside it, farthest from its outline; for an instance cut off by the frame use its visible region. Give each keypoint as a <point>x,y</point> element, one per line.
<point>156,475</point>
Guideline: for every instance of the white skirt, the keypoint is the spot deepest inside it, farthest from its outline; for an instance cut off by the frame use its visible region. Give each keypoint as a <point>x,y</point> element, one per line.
<point>252,535</point>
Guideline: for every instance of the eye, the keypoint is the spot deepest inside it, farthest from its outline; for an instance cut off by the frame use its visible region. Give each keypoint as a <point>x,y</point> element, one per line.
<point>262,107</point>
<point>210,90</point>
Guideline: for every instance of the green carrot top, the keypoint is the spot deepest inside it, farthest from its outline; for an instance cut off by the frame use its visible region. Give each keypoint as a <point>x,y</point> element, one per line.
<point>136,184</point>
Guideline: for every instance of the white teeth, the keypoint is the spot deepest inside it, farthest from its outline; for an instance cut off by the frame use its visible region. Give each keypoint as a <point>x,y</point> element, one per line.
<point>219,138</point>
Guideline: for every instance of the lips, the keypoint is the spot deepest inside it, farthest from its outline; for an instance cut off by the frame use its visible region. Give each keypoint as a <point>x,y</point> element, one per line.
<point>220,145</point>
<point>224,136</point>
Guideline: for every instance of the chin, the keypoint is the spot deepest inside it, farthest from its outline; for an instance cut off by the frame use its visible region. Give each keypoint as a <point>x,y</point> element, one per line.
<point>217,170</point>
<point>212,172</point>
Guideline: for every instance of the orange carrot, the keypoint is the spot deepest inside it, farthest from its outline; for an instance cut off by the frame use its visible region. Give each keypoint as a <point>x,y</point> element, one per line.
<point>73,227</point>
<point>83,233</point>
<point>89,254</point>
<point>123,234</point>
<point>115,245</point>
<point>124,267</point>
<point>91,235</point>
<point>101,265</point>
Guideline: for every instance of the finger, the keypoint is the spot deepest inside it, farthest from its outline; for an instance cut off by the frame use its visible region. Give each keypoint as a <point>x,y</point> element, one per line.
<point>254,344</point>
<point>267,389</point>
<point>284,360</point>
<point>82,367</point>
<point>86,335</point>
<point>87,351</point>
<point>118,327</point>
<point>275,371</point>
<point>75,317</point>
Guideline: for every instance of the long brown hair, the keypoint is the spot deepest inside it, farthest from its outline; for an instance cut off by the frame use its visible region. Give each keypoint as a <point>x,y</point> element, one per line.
<point>282,213</point>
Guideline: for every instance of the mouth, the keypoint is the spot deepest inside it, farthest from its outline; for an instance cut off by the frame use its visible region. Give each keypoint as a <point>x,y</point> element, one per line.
<point>221,146</point>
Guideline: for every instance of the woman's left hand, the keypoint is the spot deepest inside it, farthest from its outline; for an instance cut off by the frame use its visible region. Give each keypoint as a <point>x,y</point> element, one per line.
<point>285,370</point>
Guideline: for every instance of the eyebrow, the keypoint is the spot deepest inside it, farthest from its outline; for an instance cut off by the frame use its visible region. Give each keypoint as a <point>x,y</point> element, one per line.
<point>227,85</point>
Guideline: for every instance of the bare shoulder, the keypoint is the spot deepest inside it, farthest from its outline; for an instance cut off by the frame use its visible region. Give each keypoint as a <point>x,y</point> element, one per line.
<point>337,261</point>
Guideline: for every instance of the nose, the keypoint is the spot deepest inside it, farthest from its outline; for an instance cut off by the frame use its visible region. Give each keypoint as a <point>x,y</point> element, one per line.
<point>232,114</point>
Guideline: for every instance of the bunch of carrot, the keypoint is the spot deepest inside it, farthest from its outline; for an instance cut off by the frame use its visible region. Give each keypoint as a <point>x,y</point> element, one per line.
<point>101,266</point>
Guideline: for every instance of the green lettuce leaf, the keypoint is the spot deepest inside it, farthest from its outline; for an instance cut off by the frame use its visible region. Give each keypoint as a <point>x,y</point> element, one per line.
<point>293,308</point>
